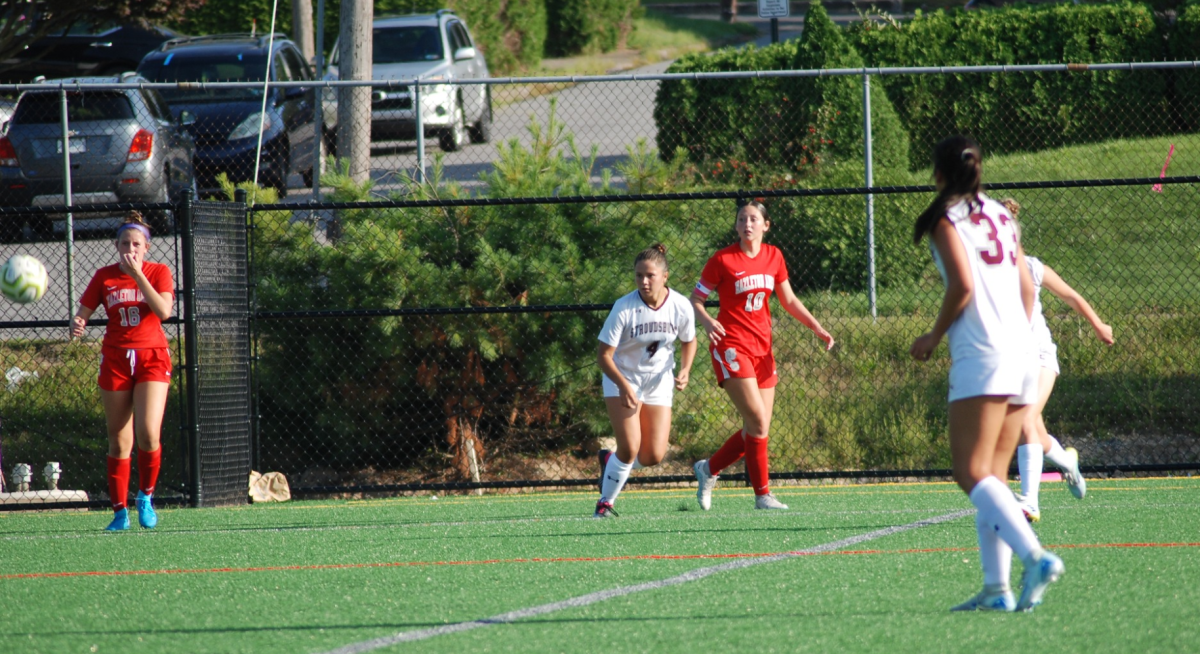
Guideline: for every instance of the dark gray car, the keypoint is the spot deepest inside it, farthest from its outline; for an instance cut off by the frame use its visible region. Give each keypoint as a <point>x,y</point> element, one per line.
<point>123,143</point>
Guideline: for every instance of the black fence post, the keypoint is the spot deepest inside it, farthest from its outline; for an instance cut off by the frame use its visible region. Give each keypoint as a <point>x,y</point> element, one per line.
<point>240,196</point>
<point>191,345</point>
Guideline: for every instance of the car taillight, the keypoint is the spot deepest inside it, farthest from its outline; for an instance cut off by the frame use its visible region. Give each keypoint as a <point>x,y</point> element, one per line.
<point>139,150</point>
<point>8,154</point>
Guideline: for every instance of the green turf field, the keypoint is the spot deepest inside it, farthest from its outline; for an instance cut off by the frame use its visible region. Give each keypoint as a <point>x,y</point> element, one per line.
<point>319,576</point>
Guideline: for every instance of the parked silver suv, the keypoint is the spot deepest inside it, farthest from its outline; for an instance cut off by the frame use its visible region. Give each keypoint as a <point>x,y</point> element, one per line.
<point>435,47</point>
<point>123,145</point>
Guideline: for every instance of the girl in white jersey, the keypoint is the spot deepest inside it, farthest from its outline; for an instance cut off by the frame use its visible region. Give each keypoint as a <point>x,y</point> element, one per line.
<point>637,356</point>
<point>1036,442</point>
<point>985,313</point>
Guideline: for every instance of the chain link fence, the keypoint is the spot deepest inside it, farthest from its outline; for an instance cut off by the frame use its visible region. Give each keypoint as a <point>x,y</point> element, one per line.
<point>432,320</point>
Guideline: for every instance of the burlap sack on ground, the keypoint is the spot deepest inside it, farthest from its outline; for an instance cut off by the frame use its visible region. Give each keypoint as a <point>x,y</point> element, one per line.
<point>269,487</point>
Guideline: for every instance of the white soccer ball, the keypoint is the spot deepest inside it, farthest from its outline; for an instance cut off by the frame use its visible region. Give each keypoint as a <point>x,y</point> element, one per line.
<point>23,279</point>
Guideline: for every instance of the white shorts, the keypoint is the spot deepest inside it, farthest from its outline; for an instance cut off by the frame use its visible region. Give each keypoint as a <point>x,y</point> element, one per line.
<point>1047,357</point>
<point>1016,378</point>
<point>655,391</point>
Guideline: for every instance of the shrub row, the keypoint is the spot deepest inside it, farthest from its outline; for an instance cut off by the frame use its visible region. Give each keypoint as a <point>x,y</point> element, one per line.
<point>579,26</point>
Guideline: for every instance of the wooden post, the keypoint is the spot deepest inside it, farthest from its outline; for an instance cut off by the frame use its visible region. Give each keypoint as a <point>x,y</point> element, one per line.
<point>302,28</point>
<point>354,103</point>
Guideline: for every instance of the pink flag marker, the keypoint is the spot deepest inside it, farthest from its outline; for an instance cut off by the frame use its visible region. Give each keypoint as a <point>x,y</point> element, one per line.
<point>1158,187</point>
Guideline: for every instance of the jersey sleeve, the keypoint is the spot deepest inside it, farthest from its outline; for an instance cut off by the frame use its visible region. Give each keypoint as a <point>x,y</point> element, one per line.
<point>610,334</point>
<point>1036,270</point>
<point>160,279</point>
<point>93,295</point>
<point>686,325</point>
<point>710,277</point>
<point>781,271</point>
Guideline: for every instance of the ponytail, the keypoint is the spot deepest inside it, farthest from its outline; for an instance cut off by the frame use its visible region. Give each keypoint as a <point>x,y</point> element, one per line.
<point>959,161</point>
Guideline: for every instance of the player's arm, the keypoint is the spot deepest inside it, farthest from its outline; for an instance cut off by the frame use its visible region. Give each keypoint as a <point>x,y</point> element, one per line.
<point>79,320</point>
<point>959,288</point>
<point>604,358</point>
<point>793,305</point>
<point>712,328</point>
<point>161,302</point>
<point>688,355</point>
<point>1055,284</point>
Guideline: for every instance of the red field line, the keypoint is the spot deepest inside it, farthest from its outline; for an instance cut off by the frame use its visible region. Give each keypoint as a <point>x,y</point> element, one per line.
<point>576,559</point>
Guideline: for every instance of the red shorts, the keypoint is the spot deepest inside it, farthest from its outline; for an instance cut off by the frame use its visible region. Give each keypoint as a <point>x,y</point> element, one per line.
<point>121,369</point>
<point>729,363</point>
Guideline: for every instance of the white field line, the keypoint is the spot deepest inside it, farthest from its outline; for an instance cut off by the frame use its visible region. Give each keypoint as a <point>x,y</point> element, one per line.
<point>621,591</point>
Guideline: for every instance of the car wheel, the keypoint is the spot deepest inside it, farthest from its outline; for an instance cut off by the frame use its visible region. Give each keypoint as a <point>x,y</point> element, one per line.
<point>455,136</point>
<point>481,131</point>
<point>277,177</point>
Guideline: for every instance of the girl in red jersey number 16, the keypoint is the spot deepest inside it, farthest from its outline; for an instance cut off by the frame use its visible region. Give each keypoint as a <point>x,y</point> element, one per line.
<point>135,364</point>
<point>744,275</point>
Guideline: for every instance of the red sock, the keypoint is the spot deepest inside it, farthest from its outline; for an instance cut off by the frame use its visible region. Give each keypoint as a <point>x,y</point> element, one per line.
<point>756,465</point>
<point>728,454</point>
<point>118,482</point>
<point>148,465</point>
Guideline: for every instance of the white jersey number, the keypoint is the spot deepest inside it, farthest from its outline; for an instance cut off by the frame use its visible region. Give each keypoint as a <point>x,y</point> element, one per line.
<point>754,301</point>
<point>130,317</point>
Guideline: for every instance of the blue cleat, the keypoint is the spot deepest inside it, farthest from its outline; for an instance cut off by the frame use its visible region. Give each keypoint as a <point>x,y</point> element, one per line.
<point>1044,570</point>
<point>146,515</point>
<point>991,598</point>
<point>120,521</point>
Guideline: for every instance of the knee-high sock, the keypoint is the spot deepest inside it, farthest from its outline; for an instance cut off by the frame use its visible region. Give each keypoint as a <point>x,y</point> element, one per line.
<point>994,554</point>
<point>148,466</point>
<point>1029,462</point>
<point>616,472</point>
<point>728,454</point>
<point>1057,455</point>
<point>756,465</point>
<point>118,482</point>
<point>1000,512</point>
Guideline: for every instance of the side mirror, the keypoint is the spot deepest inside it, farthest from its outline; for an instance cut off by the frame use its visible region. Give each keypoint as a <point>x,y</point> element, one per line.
<point>186,119</point>
<point>464,53</point>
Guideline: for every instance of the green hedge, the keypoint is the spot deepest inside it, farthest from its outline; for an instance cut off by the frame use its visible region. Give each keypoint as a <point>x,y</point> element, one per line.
<point>511,33</point>
<point>1184,45</point>
<point>797,124</point>
<point>577,26</point>
<point>1022,112</point>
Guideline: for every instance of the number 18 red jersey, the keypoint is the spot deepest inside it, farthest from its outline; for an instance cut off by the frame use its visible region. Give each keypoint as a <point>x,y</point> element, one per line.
<point>131,323</point>
<point>744,284</point>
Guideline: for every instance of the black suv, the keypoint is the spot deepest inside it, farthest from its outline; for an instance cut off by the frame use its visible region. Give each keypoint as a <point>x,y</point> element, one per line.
<point>227,120</point>
<point>85,48</point>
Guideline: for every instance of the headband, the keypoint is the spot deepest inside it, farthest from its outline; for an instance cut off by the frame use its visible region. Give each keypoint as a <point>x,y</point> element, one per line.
<point>141,228</point>
<point>966,153</point>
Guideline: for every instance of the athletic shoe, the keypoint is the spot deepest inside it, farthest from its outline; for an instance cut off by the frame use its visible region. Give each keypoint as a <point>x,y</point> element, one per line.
<point>605,510</point>
<point>991,598</point>
<point>1075,482</point>
<point>768,501</point>
<point>1045,569</point>
<point>120,521</point>
<point>603,455</point>
<point>147,518</point>
<point>707,482</point>
<point>1032,514</point>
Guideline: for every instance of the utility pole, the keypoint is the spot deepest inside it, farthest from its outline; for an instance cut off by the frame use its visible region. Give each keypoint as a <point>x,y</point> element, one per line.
<point>302,28</point>
<point>354,103</point>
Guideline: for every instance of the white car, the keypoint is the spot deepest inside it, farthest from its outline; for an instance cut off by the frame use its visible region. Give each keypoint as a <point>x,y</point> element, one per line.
<point>433,47</point>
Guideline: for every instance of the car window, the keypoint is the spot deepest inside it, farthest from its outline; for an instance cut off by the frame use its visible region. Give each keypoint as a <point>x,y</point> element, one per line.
<point>87,28</point>
<point>283,71</point>
<point>455,38</point>
<point>206,67</point>
<point>46,108</point>
<point>394,45</point>
<point>300,69</point>
<point>151,107</point>
<point>464,39</point>
<point>158,106</point>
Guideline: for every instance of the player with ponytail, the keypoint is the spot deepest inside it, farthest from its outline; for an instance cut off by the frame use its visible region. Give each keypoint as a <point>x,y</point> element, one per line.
<point>985,314</point>
<point>135,364</point>
<point>744,276</point>
<point>637,356</point>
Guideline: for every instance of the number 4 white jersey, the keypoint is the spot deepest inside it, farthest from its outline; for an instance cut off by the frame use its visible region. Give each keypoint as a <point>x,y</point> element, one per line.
<point>993,324</point>
<point>645,336</point>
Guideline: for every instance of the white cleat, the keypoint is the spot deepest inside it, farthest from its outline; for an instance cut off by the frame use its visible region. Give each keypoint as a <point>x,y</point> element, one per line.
<point>991,598</point>
<point>707,482</point>
<point>1044,570</point>
<point>1032,514</point>
<point>1075,481</point>
<point>768,501</point>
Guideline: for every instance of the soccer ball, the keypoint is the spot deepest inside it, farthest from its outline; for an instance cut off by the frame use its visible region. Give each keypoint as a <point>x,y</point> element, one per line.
<point>23,279</point>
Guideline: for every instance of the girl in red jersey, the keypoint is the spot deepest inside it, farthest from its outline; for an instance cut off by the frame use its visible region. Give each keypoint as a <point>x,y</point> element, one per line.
<point>985,315</point>
<point>135,365</point>
<point>744,275</point>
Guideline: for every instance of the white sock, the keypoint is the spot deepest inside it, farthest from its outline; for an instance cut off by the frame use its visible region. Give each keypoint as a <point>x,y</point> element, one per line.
<point>1057,455</point>
<point>637,465</point>
<point>615,474</point>
<point>994,554</point>
<point>1029,462</point>
<point>999,511</point>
